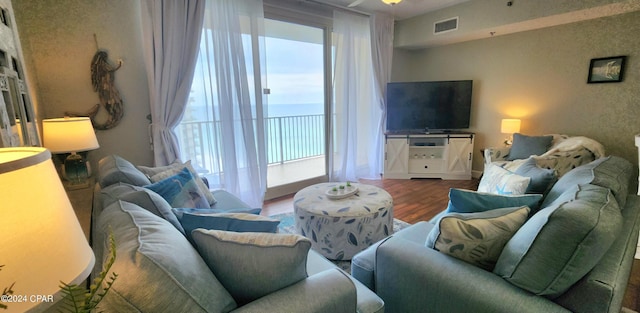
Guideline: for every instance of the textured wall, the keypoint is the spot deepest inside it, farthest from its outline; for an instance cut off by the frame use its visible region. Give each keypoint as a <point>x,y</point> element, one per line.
<point>480,18</point>
<point>540,76</point>
<point>58,44</point>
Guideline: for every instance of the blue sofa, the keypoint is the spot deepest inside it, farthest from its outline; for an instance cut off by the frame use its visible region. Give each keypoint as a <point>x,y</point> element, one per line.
<point>160,271</point>
<point>574,255</point>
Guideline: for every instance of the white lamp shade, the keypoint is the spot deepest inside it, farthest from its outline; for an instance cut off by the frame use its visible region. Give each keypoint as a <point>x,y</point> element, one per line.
<point>510,126</point>
<point>41,239</point>
<point>69,134</point>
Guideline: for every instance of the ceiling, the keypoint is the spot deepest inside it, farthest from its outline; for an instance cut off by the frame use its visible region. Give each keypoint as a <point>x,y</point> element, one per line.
<point>402,10</point>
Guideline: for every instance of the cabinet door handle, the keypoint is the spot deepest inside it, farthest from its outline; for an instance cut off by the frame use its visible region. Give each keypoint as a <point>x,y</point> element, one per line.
<point>426,166</point>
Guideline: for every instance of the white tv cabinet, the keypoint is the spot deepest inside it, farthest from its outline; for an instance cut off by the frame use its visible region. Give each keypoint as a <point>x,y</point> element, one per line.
<point>438,155</point>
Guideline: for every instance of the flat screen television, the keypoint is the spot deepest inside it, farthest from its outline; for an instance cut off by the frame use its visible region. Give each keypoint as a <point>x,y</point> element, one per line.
<point>428,106</point>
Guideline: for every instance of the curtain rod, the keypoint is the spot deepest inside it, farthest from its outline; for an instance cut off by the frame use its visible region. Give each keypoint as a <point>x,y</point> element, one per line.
<point>339,7</point>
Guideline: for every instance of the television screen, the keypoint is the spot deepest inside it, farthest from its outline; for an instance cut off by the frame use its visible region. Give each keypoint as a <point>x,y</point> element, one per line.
<point>428,106</point>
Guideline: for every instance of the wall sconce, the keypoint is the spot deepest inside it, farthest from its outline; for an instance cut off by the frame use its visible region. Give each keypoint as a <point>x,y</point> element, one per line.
<point>510,126</point>
<point>41,239</point>
<point>71,135</point>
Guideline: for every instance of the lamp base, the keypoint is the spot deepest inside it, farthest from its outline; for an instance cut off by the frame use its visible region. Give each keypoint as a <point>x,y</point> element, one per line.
<point>75,172</point>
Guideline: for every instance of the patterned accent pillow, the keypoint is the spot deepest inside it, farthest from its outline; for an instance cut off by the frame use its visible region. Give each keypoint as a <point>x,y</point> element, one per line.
<point>477,238</point>
<point>268,262</point>
<point>496,179</point>
<point>180,191</point>
<point>525,146</point>
<point>468,201</point>
<point>157,174</point>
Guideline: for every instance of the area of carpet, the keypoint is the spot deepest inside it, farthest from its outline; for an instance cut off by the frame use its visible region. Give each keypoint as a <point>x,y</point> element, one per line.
<point>287,226</point>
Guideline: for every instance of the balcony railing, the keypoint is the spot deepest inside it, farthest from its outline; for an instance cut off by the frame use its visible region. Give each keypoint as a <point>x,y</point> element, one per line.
<point>289,138</point>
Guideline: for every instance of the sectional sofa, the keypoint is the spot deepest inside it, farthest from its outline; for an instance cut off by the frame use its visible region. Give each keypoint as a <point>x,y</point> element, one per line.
<point>159,270</point>
<point>572,253</point>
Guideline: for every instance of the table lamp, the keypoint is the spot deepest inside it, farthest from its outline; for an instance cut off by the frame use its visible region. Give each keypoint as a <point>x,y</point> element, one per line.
<point>41,239</point>
<point>509,126</point>
<point>71,135</point>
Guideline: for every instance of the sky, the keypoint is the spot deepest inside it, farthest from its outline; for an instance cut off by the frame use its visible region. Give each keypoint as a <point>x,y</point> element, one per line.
<point>294,68</point>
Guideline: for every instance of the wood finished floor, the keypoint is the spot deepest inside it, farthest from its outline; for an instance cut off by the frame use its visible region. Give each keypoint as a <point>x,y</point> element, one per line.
<point>420,199</point>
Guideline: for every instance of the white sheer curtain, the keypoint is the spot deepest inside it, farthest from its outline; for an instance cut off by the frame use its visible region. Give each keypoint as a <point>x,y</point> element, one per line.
<point>230,77</point>
<point>382,54</point>
<point>171,38</point>
<point>354,151</point>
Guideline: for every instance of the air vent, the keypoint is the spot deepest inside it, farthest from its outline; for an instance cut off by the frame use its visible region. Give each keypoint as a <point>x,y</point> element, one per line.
<point>445,26</point>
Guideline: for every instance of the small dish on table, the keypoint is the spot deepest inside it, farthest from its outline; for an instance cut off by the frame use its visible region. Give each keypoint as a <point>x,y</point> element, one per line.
<point>341,192</point>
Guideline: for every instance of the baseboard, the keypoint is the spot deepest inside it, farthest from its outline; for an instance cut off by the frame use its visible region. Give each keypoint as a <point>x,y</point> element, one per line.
<point>288,189</point>
<point>476,174</point>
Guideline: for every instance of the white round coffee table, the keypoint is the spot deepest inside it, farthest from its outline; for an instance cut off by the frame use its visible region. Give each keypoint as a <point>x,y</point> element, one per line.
<point>340,228</point>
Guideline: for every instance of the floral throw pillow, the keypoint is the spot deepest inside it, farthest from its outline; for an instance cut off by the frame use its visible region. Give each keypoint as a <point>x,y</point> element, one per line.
<point>477,238</point>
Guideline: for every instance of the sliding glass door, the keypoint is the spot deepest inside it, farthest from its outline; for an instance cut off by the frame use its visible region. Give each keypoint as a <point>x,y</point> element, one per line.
<point>294,64</point>
<point>296,79</point>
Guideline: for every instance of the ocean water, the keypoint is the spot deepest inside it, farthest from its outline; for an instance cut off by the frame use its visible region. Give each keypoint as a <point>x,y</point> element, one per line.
<point>202,113</point>
<point>294,131</point>
<point>277,110</point>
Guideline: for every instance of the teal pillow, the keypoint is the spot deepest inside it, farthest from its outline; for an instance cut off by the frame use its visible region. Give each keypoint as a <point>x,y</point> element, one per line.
<point>541,178</point>
<point>237,222</point>
<point>525,146</point>
<point>180,190</point>
<point>252,265</point>
<point>467,201</point>
<point>156,174</point>
<point>561,243</point>
<point>179,211</point>
<point>476,238</point>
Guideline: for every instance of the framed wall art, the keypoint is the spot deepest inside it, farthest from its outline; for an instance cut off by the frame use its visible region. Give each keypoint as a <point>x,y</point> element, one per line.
<point>606,70</point>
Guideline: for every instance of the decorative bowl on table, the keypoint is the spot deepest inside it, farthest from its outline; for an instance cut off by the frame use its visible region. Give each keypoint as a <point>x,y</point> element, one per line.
<point>341,191</point>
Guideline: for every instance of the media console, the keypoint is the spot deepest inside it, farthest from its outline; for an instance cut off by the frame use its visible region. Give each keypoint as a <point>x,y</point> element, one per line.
<point>439,155</point>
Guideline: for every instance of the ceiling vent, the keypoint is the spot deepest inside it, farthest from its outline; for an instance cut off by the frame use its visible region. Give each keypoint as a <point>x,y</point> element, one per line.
<point>445,26</point>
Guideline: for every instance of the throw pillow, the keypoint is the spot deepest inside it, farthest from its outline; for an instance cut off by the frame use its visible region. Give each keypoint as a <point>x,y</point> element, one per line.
<point>496,179</point>
<point>467,201</point>
<point>180,191</point>
<point>237,222</point>
<point>562,242</point>
<point>252,265</point>
<point>180,211</point>
<point>157,174</point>
<point>541,178</point>
<point>159,271</point>
<point>525,146</point>
<point>114,169</point>
<point>477,238</point>
<point>153,203</point>
<point>153,170</point>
